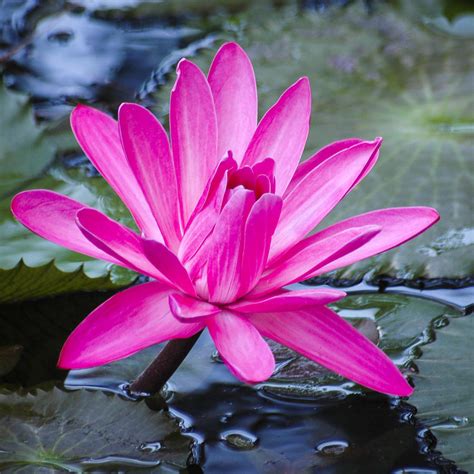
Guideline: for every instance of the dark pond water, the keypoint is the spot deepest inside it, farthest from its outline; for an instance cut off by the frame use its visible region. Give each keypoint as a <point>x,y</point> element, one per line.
<point>304,419</point>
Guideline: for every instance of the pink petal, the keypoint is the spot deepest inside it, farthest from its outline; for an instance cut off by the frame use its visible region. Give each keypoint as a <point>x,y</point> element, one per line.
<point>282,133</point>
<point>224,248</point>
<point>263,186</point>
<point>241,347</point>
<point>52,216</point>
<point>193,133</point>
<point>190,310</point>
<point>288,301</point>
<point>322,155</point>
<point>398,225</point>
<point>323,336</point>
<point>115,239</point>
<point>204,217</point>
<point>318,193</point>
<point>233,87</point>
<point>243,176</point>
<point>148,152</point>
<point>98,135</point>
<point>266,166</point>
<point>168,264</point>
<point>307,261</point>
<point>261,224</point>
<point>126,323</point>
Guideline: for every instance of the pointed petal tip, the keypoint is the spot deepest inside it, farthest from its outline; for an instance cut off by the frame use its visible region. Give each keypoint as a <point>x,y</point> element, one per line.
<point>399,386</point>
<point>406,391</point>
<point>80,111</point>
<point>76,114</point>
<point>431,210</point>
<point>70,358</point>
<point>131,109</point>
<point>303,80</point>
<point>20,203</point>
<point>231,48</point>
<point>182,63</point>
<point>15,204</point>
<point>80,108</point>
<point>65,362</point>
<point>376,142</point>
<point>125,106</point>
<point>302,84</point>
<point>185,63</point>
<point>252,376</point>
<point>231,45</point>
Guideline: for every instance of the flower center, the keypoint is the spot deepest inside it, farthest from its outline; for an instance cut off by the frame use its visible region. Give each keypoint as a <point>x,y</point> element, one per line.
<point>258,178</point>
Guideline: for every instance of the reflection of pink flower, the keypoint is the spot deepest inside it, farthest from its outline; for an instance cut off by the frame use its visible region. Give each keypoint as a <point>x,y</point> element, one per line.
<point>224,213</point>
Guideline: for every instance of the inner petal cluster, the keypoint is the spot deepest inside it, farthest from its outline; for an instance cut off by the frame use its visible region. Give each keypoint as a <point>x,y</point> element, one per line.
<point>226,241</point>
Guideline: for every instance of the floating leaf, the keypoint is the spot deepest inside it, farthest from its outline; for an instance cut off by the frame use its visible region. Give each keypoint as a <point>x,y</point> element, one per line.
<point>23,282</point>
<point>24,150</point>
<point>31,267</point>
<point>402,322</point>
<point>82,430</point>
<point>444,389</point>
<point>380,75</point>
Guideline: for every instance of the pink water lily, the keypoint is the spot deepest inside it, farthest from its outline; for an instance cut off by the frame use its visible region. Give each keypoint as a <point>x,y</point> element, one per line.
<point>224,210</point>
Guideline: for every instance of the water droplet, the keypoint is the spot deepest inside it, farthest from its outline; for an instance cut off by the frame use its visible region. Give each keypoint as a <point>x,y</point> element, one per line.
<point>332,448</point>
<point>215,357</point>
<point>239,439</point>
<point>408,417</point>
<point>452,423</point>
<point>225,418</point>
<point>150,447</point>
<point>440,322</point>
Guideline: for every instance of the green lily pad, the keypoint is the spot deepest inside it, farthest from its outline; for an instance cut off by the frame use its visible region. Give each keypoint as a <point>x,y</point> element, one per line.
<point>402,323</point>
<point>24,150</point>
<point>31,267</point>
<point>379,75</point>
<point>51,429</point>
<point>444,388</point>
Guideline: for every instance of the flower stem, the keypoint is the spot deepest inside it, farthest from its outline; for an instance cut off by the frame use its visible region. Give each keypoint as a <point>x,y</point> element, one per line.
<point>154,377</point>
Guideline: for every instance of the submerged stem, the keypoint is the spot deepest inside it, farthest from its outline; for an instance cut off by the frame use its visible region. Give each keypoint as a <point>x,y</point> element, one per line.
<point>154,377</point>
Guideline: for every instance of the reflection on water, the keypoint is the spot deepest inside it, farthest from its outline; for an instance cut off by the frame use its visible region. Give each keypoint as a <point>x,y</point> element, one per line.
<point>74,57</point>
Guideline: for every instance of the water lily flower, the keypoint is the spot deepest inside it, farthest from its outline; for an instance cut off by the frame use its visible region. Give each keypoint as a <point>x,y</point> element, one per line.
<point>224,211</point>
